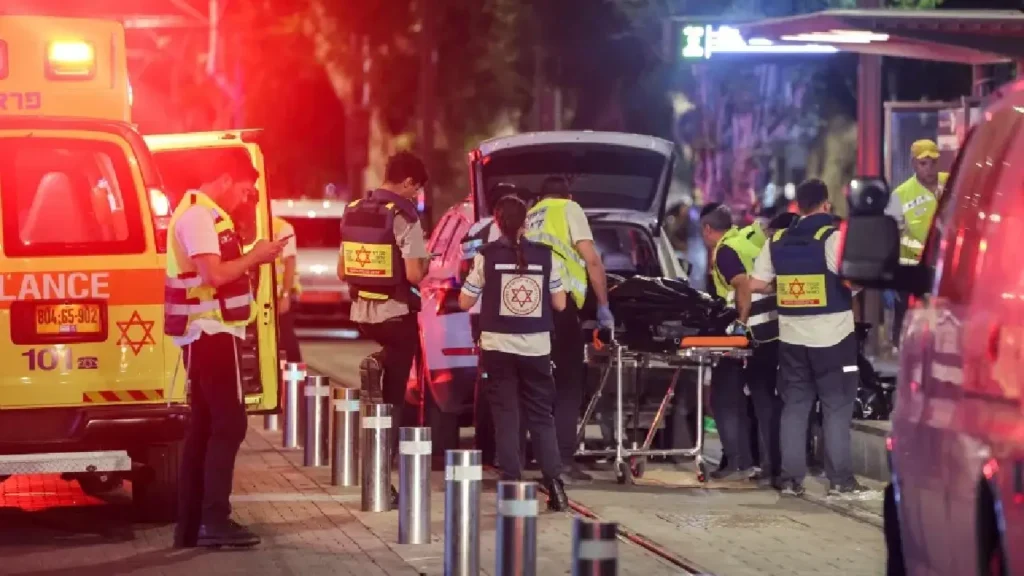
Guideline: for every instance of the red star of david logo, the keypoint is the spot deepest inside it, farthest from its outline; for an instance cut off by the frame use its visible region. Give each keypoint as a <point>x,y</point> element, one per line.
<point>796,288</point>
<point>363,256</point>
<point>521,295</point>
<point>145,326</point>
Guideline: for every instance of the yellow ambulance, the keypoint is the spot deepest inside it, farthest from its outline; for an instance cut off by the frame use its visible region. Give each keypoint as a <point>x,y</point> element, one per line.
<point>90,387</point>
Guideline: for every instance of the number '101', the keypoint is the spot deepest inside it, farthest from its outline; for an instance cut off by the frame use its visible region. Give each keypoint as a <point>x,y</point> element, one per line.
<point>47,359</point>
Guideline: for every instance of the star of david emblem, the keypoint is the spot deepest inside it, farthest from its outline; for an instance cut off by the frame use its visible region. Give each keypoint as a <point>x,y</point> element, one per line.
<point>521,295</point>
<point>363,256</point>
<point>144,326</point>
<point>796,288</point>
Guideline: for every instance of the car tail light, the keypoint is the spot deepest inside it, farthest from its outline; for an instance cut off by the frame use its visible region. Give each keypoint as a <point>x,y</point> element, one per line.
<point>4,66</point>
<point>159,203</point>
<point>70,61</point>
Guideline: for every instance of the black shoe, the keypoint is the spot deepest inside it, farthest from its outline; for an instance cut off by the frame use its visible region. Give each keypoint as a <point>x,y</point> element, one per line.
<point>851,488</point>
<point>394,498</point>
<point>730,473</point>
<point>229,533</point>
<point>762,479</point>
<point>574,474</point>
<point>557,499</point>
<point>791,488</point>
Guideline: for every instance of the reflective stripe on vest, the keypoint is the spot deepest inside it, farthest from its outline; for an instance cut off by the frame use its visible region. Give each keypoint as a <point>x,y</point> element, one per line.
<point>546,223</point>
<point>276,225</point>
<point>186,297</point>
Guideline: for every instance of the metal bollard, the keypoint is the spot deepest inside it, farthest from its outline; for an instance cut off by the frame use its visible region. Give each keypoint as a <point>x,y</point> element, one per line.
<point>345,456</point>
<point>376,457</point>
<point>517,529</point>
<point>462,474</point>
<point>595,548</point>
<point>317,441</point>
<point>292,378</point>
<point>414,486</point>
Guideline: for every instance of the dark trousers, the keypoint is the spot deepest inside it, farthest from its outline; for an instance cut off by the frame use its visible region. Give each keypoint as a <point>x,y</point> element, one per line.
<point>286,337</point>
<point>217,428</point>
<point>521,388</point>
<point>729,407</point>
<point>829,374</point>
<point>399,340</point>
<point>761,376</point>
<point>567,353</point>
<point>898,313</point>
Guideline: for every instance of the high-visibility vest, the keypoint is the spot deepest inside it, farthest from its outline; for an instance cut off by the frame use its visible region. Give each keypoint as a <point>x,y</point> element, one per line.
<point>747,243</point>
<point>277,224</point>
<point>371,257</point>
<point>546,223</point>
<point>805,286</point>
<point>919,205</point>
<point>186,297</point>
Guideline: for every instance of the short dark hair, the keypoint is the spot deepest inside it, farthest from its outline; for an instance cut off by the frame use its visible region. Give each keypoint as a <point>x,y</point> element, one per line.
<point>811,194</point>
<point>709,208</point>
<point>208,165</point>
<point>502,189</point>
<point>719,218</point>
<point>783,221</point>
<point>405,165</point>
<point>554,186</point>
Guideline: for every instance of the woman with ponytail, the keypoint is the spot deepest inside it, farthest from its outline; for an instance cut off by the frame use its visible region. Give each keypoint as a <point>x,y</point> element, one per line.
<point>519,288</point>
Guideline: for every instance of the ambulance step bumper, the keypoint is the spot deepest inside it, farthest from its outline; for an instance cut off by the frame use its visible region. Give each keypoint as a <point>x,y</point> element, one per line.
<point>67,462</point>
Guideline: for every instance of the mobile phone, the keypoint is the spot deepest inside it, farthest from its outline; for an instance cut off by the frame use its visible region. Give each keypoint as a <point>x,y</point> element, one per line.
<point>284,238</point>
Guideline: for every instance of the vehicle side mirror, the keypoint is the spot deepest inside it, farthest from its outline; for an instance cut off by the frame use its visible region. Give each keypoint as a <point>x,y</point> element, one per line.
<point>868,196</point>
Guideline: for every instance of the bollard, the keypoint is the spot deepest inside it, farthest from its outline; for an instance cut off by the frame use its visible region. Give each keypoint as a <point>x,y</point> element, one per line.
<point>595,548</point>
<point>345,456</point>
<point>414,486</point>
<point>316,442</point>
<point>462,474</point>
<point>517,529</point>
<point>376,448</point>
<point>292,378</point>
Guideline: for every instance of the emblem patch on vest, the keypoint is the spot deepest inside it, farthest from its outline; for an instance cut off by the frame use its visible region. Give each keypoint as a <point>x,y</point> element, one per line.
<point>802,291</point>
<point>520,295</point>
<point>367,260</point>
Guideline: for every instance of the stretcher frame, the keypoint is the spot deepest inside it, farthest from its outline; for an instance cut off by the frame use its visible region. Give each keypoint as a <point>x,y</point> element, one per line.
<point>695,353</point>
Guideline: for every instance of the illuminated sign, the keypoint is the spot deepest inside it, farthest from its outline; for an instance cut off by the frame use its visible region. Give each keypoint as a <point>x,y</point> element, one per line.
<point>700,42</point>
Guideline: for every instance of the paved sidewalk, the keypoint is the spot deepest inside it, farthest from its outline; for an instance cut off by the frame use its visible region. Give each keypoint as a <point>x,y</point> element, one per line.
<point>554,531</point>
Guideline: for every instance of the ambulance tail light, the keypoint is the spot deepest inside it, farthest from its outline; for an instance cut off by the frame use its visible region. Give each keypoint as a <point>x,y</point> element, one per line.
<point>70,61</point>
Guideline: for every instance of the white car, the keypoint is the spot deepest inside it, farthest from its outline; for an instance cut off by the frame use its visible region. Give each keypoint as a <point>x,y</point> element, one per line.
<point>322,309</point>
<point>620,180</point>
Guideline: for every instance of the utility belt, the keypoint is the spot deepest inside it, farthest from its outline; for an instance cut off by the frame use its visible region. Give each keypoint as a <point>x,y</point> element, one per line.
<point>407,295</point>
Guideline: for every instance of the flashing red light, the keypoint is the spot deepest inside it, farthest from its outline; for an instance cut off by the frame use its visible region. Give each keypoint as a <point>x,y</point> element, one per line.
<point>990,469</point>
<point>71,61</point>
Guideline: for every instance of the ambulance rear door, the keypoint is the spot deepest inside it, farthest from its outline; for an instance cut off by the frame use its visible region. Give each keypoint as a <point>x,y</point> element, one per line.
<point>81,285</point>
<point>258,355</point>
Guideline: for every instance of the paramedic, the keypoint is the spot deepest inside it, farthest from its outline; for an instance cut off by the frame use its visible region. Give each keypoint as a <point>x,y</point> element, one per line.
<point>732,254</point>
<point>560,223</point>
<point>287,288</point>
<point>913,205</point>
<point>383,258</point>
<point>208,303</point>
<point>476,237</point>
<point>519,288</point>
<point>818,346</point>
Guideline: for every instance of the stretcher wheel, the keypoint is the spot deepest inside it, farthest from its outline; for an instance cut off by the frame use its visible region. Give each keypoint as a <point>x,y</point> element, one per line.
<point>702,472</point>
<point>622,472</point>
<point>637,467</point>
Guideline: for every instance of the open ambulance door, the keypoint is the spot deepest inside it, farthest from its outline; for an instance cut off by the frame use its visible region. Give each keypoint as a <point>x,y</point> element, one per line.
<point>258,362</point>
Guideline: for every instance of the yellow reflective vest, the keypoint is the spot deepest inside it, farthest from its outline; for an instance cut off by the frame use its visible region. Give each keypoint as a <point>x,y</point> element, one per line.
<point>918,206</point>
<point>277,224</point>
<point>186,297</point>
<point>547,224</point>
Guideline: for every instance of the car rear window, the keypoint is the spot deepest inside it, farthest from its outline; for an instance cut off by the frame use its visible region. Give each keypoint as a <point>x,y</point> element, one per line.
<point>68,197</point>
<point>600,177</point>
<point>626,251</point>
<point>316,232</point>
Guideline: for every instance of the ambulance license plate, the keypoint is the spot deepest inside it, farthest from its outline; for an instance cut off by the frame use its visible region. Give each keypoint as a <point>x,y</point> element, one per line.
<point>68,319</point>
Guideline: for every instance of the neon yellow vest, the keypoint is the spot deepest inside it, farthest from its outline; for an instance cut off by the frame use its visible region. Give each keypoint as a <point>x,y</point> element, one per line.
<point>745,243</point>
<point>186,297</point>
<point>919,205</point>
<point>546,223</point>
<point>276,224</point>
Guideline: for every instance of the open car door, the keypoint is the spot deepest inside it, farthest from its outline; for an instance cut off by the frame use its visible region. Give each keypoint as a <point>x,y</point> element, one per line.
<point>258,354</point>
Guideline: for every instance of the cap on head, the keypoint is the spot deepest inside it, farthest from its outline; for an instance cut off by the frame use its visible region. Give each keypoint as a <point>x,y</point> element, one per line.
<point>924,149</point>
<point>502,189</point>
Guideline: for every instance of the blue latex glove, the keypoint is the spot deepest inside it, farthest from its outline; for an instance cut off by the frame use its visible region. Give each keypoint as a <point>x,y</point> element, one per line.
<point>605,318</point>
<point>737,329</point>
<point>889,297</point>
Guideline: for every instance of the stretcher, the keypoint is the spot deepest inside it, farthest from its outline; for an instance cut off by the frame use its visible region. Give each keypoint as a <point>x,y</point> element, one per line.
<point>694,353</point>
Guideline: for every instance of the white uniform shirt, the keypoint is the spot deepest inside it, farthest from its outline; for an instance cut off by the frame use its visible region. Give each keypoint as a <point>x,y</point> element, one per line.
<point>819,331</point>
<point>196,233</point>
